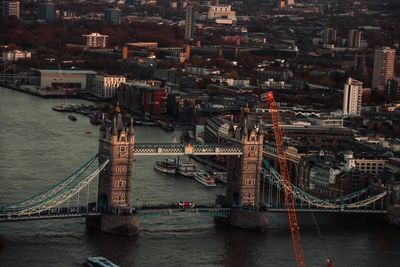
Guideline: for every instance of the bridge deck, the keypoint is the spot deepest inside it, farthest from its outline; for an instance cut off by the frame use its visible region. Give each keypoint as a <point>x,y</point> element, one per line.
<point>171,210</point>
<point>186,149</point>
<point>34,217</point>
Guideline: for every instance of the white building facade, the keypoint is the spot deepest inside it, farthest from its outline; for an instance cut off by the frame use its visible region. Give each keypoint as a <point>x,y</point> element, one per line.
<point>96,40</point>
<point>352,97</point>
<point>222,14</point>
<point>104,86</point>
<point>15,55</point>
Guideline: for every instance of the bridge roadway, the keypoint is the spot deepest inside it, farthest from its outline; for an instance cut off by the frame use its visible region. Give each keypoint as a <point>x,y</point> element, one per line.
<point>187,149</point>
<point>165,209</point>
<point>225,149</point>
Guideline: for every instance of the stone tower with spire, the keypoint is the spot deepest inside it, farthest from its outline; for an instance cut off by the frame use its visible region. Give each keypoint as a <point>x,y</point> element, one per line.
<point>116,142</point>
<point>244,172</point>
<point>243,185</point>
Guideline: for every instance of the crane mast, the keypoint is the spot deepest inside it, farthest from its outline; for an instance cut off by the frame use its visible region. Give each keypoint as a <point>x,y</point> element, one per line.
<point>289,197</point>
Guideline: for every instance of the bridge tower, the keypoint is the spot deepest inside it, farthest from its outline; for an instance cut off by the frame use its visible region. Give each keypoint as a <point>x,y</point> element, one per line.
<point>116,142</point>
<point>243,187</point>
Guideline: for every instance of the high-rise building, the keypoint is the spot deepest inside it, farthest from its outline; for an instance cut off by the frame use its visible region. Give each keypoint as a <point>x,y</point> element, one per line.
<point>352,97</point>
<point>354,39</point>
<point>189,23</point>
<point>383,67</point>
<point>96,40</point>
<point>330,36</point>
<point>47,12</point>
<point>10,8</point>
<point>113,15</point>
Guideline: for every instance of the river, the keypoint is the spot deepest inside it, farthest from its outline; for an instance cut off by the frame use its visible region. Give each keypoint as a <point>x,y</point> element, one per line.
<point>39,146</point>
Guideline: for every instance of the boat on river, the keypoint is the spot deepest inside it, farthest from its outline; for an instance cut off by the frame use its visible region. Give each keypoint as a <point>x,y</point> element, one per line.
<point>185,167</point>
<point>165,166</point>
<point>220,177</point>
<point>72,118</point>
<point>205,178</point>
<point>64,108</point>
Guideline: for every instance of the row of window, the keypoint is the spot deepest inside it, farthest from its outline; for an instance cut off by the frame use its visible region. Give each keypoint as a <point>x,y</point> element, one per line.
<point>120,183</point>
<point>119,198</point>
<point>120,168</point>
<point>250,181</point>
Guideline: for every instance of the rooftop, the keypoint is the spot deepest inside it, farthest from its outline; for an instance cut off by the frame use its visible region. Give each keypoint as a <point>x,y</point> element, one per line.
<point>69,71</point>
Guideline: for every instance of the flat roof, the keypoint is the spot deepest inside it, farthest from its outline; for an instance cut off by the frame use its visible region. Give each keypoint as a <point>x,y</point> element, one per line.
<point>55,71</point>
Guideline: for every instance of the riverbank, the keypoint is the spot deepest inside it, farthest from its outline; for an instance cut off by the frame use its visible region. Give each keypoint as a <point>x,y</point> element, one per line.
<point>32,90</point>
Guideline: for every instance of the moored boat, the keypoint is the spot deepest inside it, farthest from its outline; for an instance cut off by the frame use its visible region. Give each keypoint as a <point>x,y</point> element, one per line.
<point>185,168</point>
<point>95,120</point>
<point>99,262</point>
<point>220,177</point>
<point>63,108</point>
<point>204,178</point>
<point>166,166</point>
<point>72,118</point>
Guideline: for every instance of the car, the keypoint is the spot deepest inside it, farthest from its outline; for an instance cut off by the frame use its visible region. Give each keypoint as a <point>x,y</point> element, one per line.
<point>186,204</point>
<point>54,211</point>
<point>73,210</point>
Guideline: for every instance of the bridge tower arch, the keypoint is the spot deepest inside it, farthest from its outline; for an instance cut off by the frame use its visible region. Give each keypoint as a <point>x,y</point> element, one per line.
<point>116,142</point>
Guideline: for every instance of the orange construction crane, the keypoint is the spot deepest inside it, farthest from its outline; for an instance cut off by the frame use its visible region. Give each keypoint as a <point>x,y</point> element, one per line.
<point>289,197</point>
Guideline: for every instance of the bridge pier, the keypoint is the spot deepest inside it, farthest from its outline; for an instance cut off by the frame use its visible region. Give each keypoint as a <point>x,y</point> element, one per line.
<point>246,219</point>
<point>393,203</point>
<point>126,225</point>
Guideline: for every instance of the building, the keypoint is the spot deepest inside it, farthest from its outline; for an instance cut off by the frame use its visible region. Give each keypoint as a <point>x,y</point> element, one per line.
<point>96,40</point>
<point>216,130</point>
<point>104,86</point>
<point>285,3</point>
<point>354,39</point>
<point>189,23</point>
<point>47,12</point>
<point>384,62</point>
<point>113,15</point>
<point>143,45</point>
<point>142,98</point>
<point>330,36</point>
<point>352,97</point>
<point>10,8</point>
<point>75,80</point>
<point>393,87</point>
<point>173,4</point>
<point>315,138</point>
<point>15,55</point>
<point>222,14</point>
<point>366,163</point>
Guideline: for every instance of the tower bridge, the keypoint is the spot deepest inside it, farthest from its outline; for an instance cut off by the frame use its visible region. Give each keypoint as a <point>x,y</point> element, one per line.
<point>254,188</point>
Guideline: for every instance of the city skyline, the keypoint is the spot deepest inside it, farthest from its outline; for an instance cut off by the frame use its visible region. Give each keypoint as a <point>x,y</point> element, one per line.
<point>239,133</point>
